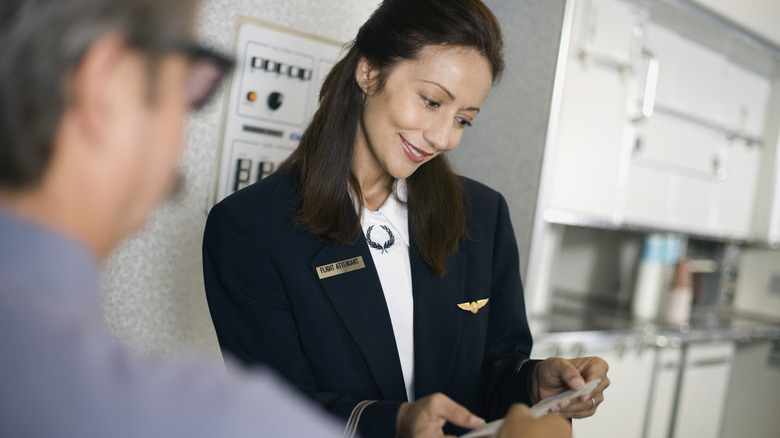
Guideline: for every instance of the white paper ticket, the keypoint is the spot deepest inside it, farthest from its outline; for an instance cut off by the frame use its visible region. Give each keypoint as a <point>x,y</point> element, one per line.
<point>491,429</point>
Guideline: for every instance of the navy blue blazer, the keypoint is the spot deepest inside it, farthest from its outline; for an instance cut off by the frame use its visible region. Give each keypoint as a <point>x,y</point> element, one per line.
<point>332,338</point>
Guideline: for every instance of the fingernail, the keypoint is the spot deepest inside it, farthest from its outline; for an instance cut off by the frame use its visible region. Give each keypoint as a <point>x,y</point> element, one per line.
<point>477,421</point>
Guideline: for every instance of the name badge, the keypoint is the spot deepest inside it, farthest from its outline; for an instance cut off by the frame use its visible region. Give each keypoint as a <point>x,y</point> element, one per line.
<point>341,267</point>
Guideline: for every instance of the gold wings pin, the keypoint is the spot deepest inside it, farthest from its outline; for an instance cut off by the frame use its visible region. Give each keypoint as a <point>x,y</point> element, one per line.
<point>473,306</point>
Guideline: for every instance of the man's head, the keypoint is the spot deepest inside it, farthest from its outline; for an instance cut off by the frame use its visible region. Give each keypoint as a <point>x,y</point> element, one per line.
<point>92,99</point>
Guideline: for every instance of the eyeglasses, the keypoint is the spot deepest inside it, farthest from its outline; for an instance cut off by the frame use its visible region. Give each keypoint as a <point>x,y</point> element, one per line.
<point>207,71</point>
<point>208,68</point>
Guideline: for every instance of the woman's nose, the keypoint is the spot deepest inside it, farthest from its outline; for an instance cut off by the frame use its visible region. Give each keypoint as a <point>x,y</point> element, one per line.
<point>439,134</point>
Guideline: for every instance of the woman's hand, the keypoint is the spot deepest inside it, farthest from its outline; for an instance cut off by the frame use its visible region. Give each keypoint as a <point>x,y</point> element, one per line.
<point>519,424</point>
<point>426,417</point>
<point>556,375</point>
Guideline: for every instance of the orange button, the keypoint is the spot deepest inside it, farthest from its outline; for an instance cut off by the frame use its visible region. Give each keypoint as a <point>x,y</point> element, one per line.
<point>251,96</point>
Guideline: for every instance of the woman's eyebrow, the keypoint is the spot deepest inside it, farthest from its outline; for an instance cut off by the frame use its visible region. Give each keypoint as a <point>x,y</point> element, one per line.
<point>449,93</point>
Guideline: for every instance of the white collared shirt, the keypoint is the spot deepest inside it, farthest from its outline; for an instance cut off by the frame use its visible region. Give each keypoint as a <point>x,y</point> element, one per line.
<point>387,233</point>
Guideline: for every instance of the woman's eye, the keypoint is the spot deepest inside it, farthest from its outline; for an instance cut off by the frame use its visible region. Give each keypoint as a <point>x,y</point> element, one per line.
<point>463,123</point>
<point>430,103</point>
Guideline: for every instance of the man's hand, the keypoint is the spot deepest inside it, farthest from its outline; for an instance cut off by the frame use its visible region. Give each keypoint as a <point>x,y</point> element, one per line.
<point>556,375</point>
<point>426,417</point>
<point>519,424</point>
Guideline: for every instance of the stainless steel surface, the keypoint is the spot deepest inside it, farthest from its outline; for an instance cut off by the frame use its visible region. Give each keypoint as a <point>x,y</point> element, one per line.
<point>573,328</point>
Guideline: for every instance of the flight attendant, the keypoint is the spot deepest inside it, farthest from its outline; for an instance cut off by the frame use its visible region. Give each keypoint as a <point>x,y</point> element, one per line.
<point>367,272</point>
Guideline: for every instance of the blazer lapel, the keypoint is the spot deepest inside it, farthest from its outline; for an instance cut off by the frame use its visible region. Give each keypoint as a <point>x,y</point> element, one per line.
<point>360,303</point>
<point>437,320</point>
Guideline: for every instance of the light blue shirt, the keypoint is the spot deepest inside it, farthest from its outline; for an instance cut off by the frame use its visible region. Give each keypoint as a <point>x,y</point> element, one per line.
<point>63,375</point>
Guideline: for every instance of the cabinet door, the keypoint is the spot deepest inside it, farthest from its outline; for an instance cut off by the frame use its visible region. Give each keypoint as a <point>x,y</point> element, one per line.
<point>745,100</point>
<point>672,181</point>
<point>766,212</point>
<point>590,131</point>
<point>691,77</point>
<point>745,103</point>
<point>588,141</point>
<point>622,413</point>
<point>754,391</point>
<point>685,149</point>
<point>672,175</point>
<point>662,395</point>
<point>678,146</point>
<point>703,386</point>
<point>735,194</point>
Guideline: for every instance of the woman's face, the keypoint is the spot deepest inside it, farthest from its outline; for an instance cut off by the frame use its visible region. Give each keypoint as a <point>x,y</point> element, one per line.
<point>421,112</point>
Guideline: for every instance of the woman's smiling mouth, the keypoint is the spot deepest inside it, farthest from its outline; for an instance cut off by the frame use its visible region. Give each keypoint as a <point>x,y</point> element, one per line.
<point>414,154</point>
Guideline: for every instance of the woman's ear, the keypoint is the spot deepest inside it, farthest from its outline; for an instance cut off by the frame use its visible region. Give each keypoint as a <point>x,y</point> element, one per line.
<point>364,75</point>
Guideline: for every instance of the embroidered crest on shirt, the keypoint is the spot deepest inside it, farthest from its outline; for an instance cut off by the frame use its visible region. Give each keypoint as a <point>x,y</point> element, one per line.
<point>390,241</point>
<point>473,306</point>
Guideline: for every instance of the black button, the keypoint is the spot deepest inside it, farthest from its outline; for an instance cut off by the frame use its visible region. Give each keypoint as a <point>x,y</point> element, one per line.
<point>275,100</point>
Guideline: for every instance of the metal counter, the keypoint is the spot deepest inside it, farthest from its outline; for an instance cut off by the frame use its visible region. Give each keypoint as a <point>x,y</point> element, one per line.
<point>596,328</point>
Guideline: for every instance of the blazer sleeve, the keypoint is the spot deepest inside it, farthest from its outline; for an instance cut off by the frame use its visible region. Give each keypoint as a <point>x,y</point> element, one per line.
<point>507,369</point>
<point>254,320</point>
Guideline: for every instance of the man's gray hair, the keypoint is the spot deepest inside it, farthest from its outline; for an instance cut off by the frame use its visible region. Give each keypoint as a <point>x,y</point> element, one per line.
<point>42,42</point>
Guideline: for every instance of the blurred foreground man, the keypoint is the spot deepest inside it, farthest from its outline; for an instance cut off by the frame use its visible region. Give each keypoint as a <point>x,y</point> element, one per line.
<point>93,94</point>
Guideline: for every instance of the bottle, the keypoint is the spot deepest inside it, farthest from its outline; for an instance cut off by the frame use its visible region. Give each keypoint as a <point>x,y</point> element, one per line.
<point>651,277</point>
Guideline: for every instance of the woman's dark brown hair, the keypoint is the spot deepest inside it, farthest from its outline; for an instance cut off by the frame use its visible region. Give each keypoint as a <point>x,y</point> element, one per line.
<point>398,30</point>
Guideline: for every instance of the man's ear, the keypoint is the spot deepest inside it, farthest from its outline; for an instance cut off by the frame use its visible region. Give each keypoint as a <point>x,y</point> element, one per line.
<point>91,89</point>
<point>365,74</point>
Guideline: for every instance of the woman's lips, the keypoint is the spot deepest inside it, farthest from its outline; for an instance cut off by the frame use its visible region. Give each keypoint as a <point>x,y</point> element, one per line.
<point>414,154</point>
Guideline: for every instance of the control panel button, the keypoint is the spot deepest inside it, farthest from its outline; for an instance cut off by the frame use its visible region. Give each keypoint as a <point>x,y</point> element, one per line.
<point>264,168</point>
<point>275,100</point>
<point>243,173</point>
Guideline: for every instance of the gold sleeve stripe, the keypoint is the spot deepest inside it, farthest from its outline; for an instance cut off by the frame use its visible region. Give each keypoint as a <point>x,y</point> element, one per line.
<point>354,418</point>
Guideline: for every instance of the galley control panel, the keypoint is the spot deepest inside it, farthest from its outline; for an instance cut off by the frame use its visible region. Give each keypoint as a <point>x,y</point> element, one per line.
<point>269,99</point>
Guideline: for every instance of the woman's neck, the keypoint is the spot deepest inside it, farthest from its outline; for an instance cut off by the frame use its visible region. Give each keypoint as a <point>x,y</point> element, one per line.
<point>375,187</point>
<point>376,184</point>
<point>376,192</point>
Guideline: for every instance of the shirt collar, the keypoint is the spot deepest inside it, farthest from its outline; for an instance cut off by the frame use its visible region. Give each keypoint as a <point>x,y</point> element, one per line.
<point>394,210</point>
